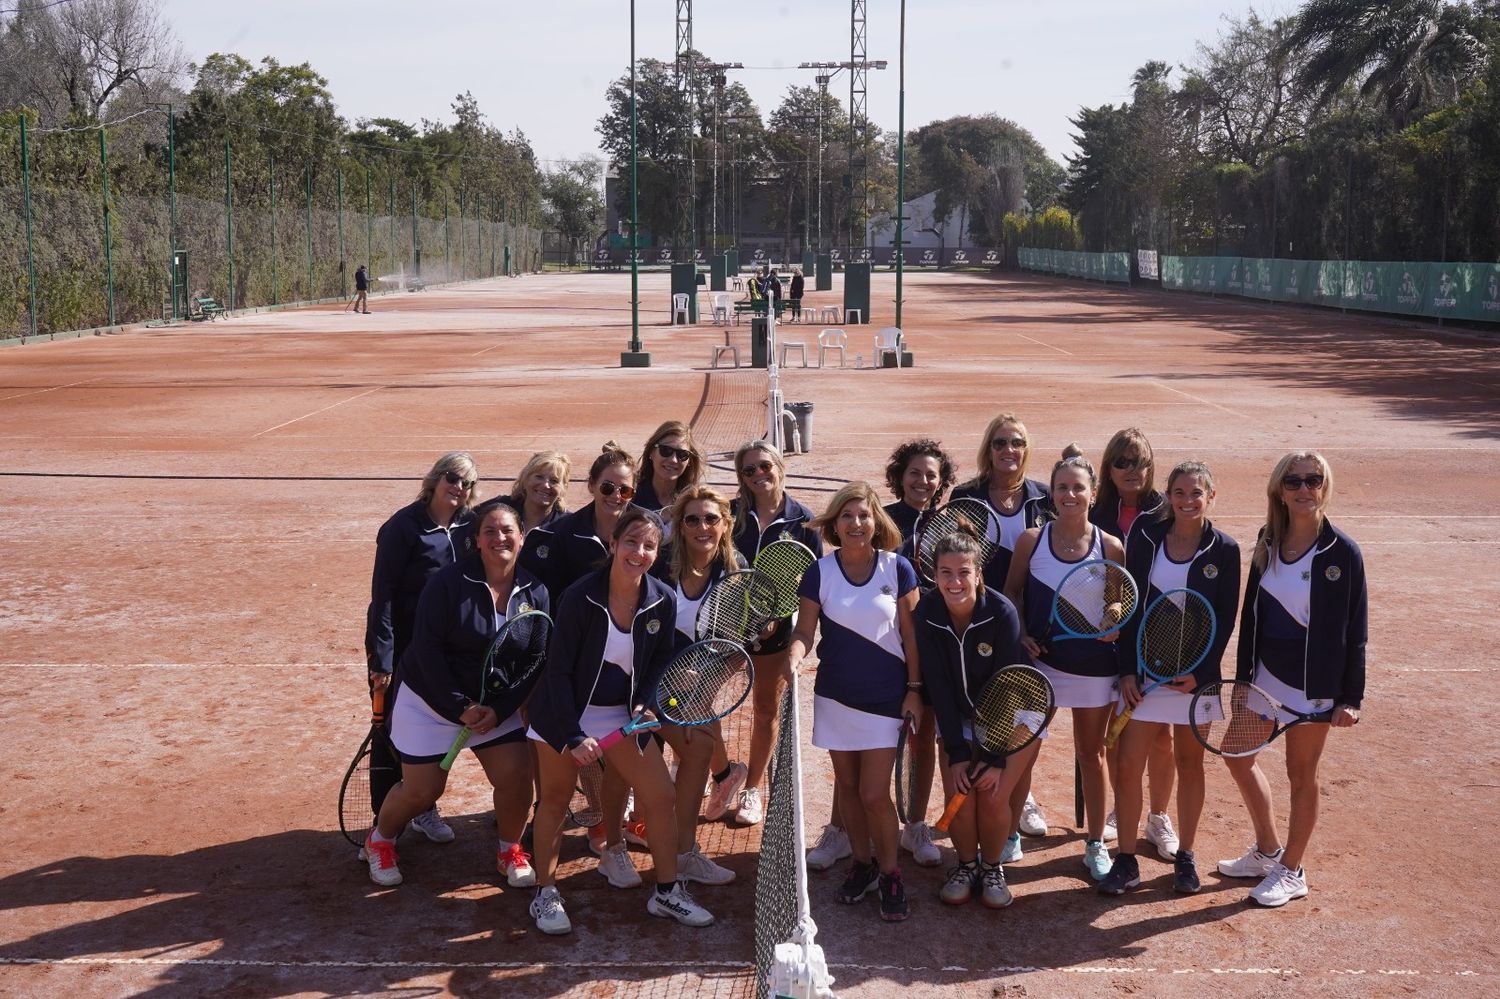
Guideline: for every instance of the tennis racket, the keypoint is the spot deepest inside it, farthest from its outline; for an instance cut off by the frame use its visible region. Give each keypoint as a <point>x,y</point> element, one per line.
<point>784,562</point>
<point>514,659</point>
<point>738,607</point>
<point>1237,718</point>
<point>1093,599</point>
<point>962,515</point>
<point>906,771</point>
<point>354,794</point>
<point>1012,711</point>
<point>704,682</point>
<point>1176,633</point>
<point>586,810</point>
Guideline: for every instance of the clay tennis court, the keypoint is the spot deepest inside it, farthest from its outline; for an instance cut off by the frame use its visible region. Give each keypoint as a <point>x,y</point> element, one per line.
<point>189,523</point>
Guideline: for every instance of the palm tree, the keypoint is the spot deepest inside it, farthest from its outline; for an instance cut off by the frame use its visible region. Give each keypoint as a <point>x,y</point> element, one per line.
<point>1408,54</point>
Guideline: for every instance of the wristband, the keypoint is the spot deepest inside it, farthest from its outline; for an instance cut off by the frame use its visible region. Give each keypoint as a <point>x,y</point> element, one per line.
<point>914,686</point>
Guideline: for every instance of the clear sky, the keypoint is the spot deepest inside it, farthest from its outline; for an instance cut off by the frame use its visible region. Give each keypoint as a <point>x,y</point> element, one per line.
<point>543,66</point>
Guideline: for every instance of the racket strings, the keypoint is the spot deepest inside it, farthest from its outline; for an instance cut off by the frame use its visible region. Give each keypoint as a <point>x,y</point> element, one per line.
<point>738,607</point>
<point>1095,599</point>
<point>962,516</point>
<point>704,683</point>
<point>784,563</point>
<point>519,652</point>
<point>1174,639</point>
<point>1012,709</point>
<point>1249,718</point>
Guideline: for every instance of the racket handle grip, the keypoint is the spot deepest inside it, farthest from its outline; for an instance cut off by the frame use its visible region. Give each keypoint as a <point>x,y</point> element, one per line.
<point>461,740</point>
<point>1116,727</point>
<point>951,812</point>
<point>614,738</point>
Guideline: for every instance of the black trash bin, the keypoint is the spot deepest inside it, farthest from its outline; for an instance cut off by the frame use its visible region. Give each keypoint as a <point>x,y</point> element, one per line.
<point>758,337</point>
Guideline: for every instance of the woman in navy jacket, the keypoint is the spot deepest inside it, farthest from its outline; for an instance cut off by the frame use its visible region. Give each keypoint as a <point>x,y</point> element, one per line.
<point>418,540</point>
<point>612,639</point>
<point>563,551</point>
<point>1302,639</point>
<point>1182,550</point>
<point>967,632</point>
<point>540,490</point>
<point>763,513</point>
<point>440,681</point>
<point>1019,503</point>
<point>670,462</point>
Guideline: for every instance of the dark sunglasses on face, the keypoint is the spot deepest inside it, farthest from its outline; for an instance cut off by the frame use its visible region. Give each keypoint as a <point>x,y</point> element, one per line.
<point>1126,464</point>
<point>1001,443</point>
<point>707,520</point>
<point>1295,482</point>
<point>762,466</point>
<point>668,451</point>
<point>607,489</point>
<point>454,479</point>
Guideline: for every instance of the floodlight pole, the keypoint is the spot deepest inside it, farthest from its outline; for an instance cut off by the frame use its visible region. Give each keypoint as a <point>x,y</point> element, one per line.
<point>634,357</point>
<point>901,172</point>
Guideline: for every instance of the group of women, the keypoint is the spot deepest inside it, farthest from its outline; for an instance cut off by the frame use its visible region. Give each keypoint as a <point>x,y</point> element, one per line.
<point>623,576</point>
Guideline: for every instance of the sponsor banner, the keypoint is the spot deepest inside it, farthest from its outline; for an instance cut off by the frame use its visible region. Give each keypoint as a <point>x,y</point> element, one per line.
<point>923,256</point>
<point>881,256</point>
<point>1146,264</point>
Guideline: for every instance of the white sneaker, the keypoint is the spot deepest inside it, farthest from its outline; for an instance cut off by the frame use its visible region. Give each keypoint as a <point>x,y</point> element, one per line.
<point>1253,864</point>
<point>1160,832</point>
<point>916,839</point>
<point>724,791</point>
<point>1111,828</point>
<point>832,847</point>
<point>515,864</point>
<point>994,893</point>
<point>1012,851</point>
<point>679,905</point>
<point>1280,886</point>
<point>694,866</point>
<point>381,856</point>
<point>1096,859</point>
<point>1033,822</point>
<point>431,825</point>
<point>547,910</point>
<point>751,810</point>
<point>617,867</point>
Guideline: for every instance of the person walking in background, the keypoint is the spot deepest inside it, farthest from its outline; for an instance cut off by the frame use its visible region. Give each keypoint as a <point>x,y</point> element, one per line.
<point>362,290</point>
<point>795,294</point>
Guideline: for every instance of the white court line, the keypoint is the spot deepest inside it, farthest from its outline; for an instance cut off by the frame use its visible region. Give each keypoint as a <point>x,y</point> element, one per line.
<point>315,412</point>
<point>1189,395</point>
<point>1039,343</point>
<point>23,395</point>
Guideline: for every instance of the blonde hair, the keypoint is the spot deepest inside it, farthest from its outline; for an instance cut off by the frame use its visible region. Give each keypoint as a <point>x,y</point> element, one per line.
<point>1277,516</point>
<point>887,534</point>
<point>537,462</point>
<point>692,473</point>
<point>985,460</point>
<point>700,492</point>
<point>1123,444</point>
<point>454,461</point>
<point>746,498</point>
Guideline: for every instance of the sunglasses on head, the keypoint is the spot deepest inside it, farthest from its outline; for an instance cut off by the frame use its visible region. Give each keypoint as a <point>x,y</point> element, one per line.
<point>1296,482</point>
<point>760,466</point>
<point>668,451</point>
<point>454,479</point>
<point>1001,443</point>
<point>706,520</point>
<point>607,488</point>
<point>1126,464</point>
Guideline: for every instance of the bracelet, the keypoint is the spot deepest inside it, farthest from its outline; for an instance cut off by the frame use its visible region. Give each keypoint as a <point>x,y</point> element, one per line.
<point>914,686</point>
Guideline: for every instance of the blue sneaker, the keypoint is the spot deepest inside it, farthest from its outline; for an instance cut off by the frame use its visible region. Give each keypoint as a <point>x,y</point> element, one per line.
<point>1096,859</point>
<point>1012,851</point>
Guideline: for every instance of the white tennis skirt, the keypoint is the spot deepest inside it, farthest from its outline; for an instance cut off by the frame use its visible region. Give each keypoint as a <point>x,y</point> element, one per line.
<point>420,733</point>
<point>839,727</point>
<point>1170,707</point>
<point>1288,695</point>
<point>596,721</point>
<point>1074,691</point>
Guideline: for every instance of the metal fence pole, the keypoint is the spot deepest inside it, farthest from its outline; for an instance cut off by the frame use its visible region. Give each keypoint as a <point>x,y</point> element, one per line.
<point>109,257</point>
<point>391,199</point>
<point>416,266</point>
<point>229,217</point>
<point>338,178</point>
<point>179,295</point>
<point>447,248</point>
<point>311,293</point>
<point>494,234</point>
<point>369,221</point>
<point>275,286</point>
<point>30,246</point>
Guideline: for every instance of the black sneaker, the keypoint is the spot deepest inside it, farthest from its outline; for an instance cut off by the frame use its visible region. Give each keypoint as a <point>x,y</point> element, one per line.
<point>893,904</point>
<point>1124,875</point>
<point>862,878</point>
<point>1185,874</point>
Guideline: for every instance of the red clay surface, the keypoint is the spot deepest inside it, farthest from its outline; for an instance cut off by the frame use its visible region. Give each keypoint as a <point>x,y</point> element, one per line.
<point>184,661</point>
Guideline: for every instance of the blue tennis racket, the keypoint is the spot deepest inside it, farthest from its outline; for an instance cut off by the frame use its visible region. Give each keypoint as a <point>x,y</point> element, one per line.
<point>1093,599</point>
<point>1176,633</point>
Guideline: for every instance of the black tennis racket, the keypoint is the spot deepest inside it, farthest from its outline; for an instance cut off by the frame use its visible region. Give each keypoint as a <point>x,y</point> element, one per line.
<point>1012,712</point>
<point>966,515</point>
<point>1176,633</point>
<point>784,562</point>
<point>906,771</point>
<point>515,658</point>
<point>586,809</point>
<point>738,607</point>
<point>704,682</point>
<point>354,794</point>
<point>1236,718</point>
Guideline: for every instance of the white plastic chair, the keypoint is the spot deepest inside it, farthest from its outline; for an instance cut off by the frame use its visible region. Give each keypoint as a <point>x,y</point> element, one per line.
<point>722,309</point>
<point>832,340</point>
<point>798,346</point>
<point>680,308</point>
<point>887,341</point>
<point>853,317</point>
<point>831,314</point>
<point>737,283</point>
<point>720,349</point>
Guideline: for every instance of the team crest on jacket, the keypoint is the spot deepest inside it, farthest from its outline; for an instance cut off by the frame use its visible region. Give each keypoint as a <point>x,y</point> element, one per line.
<point>786,535</point>
<point>524,609</point>
<point>1332,573</point>
<point>986,649</point>
<point>885,590</point>
<point>543,552</point>
<point>652,627</point>
<point>1210,572</point>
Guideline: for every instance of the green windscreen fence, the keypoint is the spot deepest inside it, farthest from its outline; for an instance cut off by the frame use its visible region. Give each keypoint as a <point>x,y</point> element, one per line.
<point>1447,291</point>
<point>1074,263</point>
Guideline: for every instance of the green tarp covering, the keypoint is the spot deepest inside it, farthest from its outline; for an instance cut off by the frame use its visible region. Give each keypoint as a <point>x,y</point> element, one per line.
<point>1072,263</point>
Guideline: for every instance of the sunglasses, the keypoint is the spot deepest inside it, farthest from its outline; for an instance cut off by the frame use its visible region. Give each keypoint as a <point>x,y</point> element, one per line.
<point>1295,482</point>
<point>1125,464</point>
<point>454,479</point>
<point>763,466</point>
<point>1001,443</point>
<point>668,451</point>
<point>707,520</point>
<point>608,489</point>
